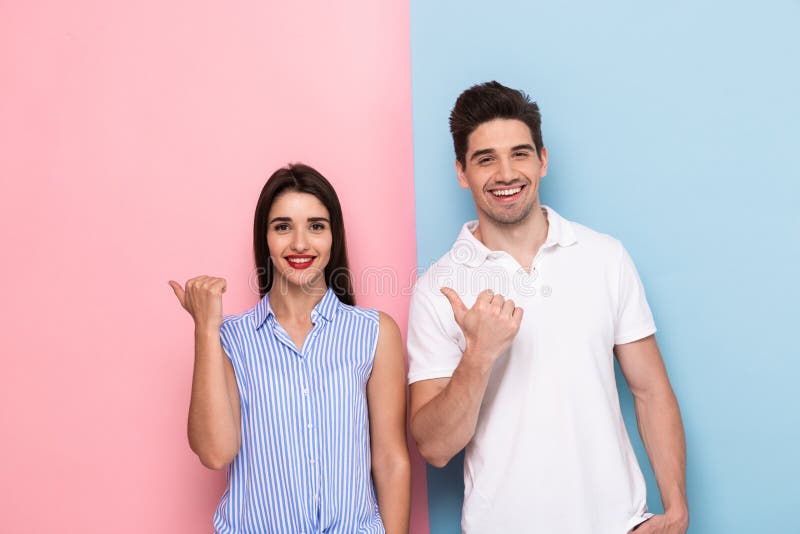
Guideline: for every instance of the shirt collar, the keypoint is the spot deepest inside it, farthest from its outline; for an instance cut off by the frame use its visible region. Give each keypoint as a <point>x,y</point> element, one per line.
<point>472,253</point>
<point>328,306</point>
<point>325,308</point>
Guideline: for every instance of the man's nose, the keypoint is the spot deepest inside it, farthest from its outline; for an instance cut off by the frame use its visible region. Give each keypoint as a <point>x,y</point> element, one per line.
<point>506,170</point>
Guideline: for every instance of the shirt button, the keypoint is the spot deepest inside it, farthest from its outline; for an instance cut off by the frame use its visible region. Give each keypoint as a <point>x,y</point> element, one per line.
<point>311,461</point>
<point>305,392</point>
<point>309,426</point>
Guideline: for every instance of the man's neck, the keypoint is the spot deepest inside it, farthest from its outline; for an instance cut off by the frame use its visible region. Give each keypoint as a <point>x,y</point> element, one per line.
<point>522,241</point>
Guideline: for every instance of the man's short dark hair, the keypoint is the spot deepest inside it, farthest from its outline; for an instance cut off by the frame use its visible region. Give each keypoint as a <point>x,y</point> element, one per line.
<point>488,101</point>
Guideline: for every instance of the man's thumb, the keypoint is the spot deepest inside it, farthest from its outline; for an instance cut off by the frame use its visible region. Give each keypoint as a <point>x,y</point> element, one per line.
<point>459,309</point>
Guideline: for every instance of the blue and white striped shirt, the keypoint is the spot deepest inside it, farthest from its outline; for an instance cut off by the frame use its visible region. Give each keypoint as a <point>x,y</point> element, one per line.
<point>304,465</point>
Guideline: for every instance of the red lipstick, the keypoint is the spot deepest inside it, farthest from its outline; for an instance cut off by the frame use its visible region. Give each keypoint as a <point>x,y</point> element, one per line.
<point>300,261</point>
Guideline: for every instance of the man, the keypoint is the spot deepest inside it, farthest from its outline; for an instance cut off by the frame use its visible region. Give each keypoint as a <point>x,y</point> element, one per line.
<point>511,342</point>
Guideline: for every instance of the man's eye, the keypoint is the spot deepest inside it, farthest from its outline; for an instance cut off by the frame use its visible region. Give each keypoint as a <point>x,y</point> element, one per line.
<point>484,161</point>
<point>521,154</point>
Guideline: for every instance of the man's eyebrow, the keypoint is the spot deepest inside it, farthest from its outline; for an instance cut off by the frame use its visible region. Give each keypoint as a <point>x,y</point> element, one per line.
<point>526,146</point>
<point>482,152</point>
<point>489,151</point>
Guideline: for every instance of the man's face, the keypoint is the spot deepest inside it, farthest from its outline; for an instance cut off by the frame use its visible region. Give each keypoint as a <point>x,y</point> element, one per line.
<point>503,170</point>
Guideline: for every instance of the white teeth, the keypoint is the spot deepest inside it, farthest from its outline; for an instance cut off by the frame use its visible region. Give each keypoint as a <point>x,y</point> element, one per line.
<point>506,192</point>
<point>299,260</point>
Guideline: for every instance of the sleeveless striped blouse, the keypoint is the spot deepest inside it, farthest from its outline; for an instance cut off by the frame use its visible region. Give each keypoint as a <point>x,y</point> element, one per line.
<point>304,465</point>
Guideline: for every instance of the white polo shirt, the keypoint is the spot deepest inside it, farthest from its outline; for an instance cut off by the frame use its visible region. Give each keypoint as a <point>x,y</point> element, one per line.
<point>550,452</point>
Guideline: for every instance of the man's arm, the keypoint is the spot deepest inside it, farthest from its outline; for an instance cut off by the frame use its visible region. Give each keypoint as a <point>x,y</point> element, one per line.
<point>444,411</point>
<point>659,421</point>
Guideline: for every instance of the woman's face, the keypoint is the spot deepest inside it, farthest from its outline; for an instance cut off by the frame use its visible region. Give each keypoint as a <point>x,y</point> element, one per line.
<point>299,239</point>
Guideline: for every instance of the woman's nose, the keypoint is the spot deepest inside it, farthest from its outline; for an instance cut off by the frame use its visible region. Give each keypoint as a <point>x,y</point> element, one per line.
<point>299,242</point>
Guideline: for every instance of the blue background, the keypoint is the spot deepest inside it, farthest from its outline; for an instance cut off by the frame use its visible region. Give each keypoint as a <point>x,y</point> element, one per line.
<point>676,128</point>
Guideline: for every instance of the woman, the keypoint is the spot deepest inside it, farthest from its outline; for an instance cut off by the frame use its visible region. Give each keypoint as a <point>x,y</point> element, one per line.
<point>303,396</point>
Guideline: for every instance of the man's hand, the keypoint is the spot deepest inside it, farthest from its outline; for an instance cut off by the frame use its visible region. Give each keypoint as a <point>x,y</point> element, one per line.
<point>203,300</point>
<point>489,326</point>
<point>444,411</point>
<point>662,524</point>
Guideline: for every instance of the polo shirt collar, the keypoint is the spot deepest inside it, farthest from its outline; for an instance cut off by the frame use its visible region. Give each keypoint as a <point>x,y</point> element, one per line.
<point>560,231</point>
<point>469,251</point>
<point>325,308</point>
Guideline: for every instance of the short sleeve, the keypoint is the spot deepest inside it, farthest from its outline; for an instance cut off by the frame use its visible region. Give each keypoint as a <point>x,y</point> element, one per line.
<point>433,347</point>
<point>634,320</point>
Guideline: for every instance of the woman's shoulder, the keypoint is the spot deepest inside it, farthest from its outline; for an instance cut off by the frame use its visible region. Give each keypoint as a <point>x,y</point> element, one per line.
<point>387,324</point>
<point>381,319</point>
<point>239,322</point>
<point>359,312</point>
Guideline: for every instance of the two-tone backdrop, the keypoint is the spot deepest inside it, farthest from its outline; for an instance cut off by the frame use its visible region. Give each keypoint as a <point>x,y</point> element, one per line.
<point>135,137</point>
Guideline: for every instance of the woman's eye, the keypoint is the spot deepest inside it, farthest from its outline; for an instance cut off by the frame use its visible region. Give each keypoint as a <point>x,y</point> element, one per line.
<point>281,227</point>
<point>317,227</point>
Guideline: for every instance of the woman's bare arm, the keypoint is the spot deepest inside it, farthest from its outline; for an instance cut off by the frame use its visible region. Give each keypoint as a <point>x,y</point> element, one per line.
<point>214,412</point>
<point>386,395</point>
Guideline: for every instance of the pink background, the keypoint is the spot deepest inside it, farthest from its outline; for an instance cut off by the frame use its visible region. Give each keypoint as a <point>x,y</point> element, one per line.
<point>134,140</point>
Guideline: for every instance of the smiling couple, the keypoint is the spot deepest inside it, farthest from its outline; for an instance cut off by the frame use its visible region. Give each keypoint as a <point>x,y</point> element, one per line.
<point>303,397</point>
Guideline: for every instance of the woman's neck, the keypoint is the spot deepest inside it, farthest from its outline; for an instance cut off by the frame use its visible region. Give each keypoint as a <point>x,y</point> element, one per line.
<point>294,303</point>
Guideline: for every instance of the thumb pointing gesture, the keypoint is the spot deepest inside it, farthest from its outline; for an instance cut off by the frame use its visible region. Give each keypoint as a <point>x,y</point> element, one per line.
<point>459,309</point>
<point>179,292</point>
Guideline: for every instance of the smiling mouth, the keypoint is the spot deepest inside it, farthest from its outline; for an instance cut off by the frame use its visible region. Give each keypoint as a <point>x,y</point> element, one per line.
<point>300,262</point>
<point>507,193</point>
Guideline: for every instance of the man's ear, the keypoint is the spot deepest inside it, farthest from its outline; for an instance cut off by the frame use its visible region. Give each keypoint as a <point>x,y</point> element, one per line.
<point>543,159</point>
<point>462,180</point>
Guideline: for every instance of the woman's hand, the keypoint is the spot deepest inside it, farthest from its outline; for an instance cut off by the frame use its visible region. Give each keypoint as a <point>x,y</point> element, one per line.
<point>202,298</point>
